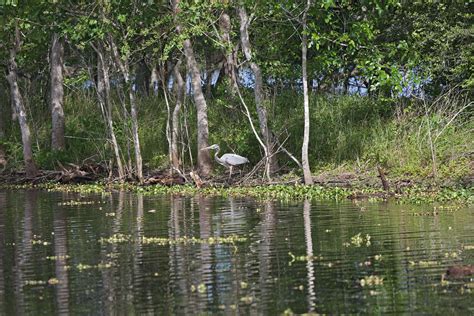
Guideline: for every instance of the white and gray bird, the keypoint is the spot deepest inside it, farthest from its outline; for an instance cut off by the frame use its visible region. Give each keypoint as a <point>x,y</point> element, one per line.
<point>227,160</point>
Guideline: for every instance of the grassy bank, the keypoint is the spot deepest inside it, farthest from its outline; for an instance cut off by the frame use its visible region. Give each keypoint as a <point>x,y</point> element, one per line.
<point>428,143</point>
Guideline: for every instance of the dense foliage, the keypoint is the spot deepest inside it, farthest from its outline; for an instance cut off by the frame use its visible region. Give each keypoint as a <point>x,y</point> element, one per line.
<point>390,82</point>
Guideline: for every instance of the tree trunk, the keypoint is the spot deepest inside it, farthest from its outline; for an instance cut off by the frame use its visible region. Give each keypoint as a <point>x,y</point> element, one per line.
<point>57,93</point>
<point>208,83</point>
<point>142,78</point>
<point>154,81</point>
<point>175,117</point>
<point>230,67</point>
<point>272,162</point>
<point>136,140</point>
<point>103,90</point>
<point>204,158</point>
<point>124,68</point>
<point>304,50</point>
<point>168,120</point>
<point>17,100</point>
<point>3,158</point>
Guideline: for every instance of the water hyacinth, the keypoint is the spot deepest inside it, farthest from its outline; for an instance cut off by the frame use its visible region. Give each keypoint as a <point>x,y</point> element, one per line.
<point>162,241</point>
<point>283,192</point>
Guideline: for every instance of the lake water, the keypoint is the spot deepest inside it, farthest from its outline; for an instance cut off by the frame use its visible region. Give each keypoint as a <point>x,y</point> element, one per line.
<point>123,253</point>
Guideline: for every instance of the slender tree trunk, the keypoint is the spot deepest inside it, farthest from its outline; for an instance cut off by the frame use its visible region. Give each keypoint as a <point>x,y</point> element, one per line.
<point>103,90</point>
<point>204,158</point>
<point>124,67</point>
<point>154,81</point>
<point>57,93</point>
<point>304,50</point>
<point>230,67</point>
<point>272,163</point>
<point>168,121</point>
<point>17,100</point>
<point>175,117</point>
<point>136,140</point>
<point>3,158</point>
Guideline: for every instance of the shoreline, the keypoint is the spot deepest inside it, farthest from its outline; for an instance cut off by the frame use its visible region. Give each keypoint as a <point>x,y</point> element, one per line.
<point>281,189</point>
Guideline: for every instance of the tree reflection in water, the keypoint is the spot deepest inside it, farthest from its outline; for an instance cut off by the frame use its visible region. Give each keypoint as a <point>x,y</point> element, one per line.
<point>253,276</point>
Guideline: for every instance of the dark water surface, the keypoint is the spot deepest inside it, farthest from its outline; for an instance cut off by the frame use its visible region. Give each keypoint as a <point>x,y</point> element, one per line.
<point>303,256</point>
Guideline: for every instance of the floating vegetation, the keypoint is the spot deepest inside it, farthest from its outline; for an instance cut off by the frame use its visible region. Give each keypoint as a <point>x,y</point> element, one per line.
<point>303,258</point>
<point>40,242</point>
<point>378,257</point>
<point>423,263</point>
<point>371,280</point>
<point>247,300</point>
<point>428,213</point>
<point>116,239</point>
<point>416,194</point>
<point>453,255</point>
<point>299,287</point>
<point>359,240</point>
<point>448,208</point>
<point>35,282</point>
<point>77,203</point>
<point>54,258</point>
<point>421,195</point>
<point>161,241</point>
<point>101,265</point>
<point>53,281</point>
<point>201,288</point>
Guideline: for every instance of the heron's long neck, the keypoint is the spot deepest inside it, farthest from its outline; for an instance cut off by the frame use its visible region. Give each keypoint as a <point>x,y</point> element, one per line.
<point>217,157</point>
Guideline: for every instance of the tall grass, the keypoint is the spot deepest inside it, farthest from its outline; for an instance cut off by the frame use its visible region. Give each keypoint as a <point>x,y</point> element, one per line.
<point>419,139</point>
<point>429,140</point>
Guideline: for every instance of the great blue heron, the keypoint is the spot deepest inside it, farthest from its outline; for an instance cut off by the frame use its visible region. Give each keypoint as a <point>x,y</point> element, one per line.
<point>227,160</point>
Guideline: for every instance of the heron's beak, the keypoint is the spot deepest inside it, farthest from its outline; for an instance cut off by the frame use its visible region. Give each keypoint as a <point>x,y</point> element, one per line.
<point>206,148</point>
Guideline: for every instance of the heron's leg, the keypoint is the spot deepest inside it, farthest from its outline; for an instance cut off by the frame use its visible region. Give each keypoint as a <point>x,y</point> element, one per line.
<point>230,173</point>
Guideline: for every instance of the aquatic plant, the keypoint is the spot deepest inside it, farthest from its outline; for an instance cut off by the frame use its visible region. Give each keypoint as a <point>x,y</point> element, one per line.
<point>359,240</point>
<point>447,199</point>
<point>162,241</point>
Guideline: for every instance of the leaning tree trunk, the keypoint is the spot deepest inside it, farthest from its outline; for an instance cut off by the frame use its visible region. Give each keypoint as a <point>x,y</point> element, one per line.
<point>204,158</point>
<point>57,93</point>
<point>271,161</point>
<point>175,117</point>
<point>304,49</point>
<point>17,100</point>
<point>124,68</point>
